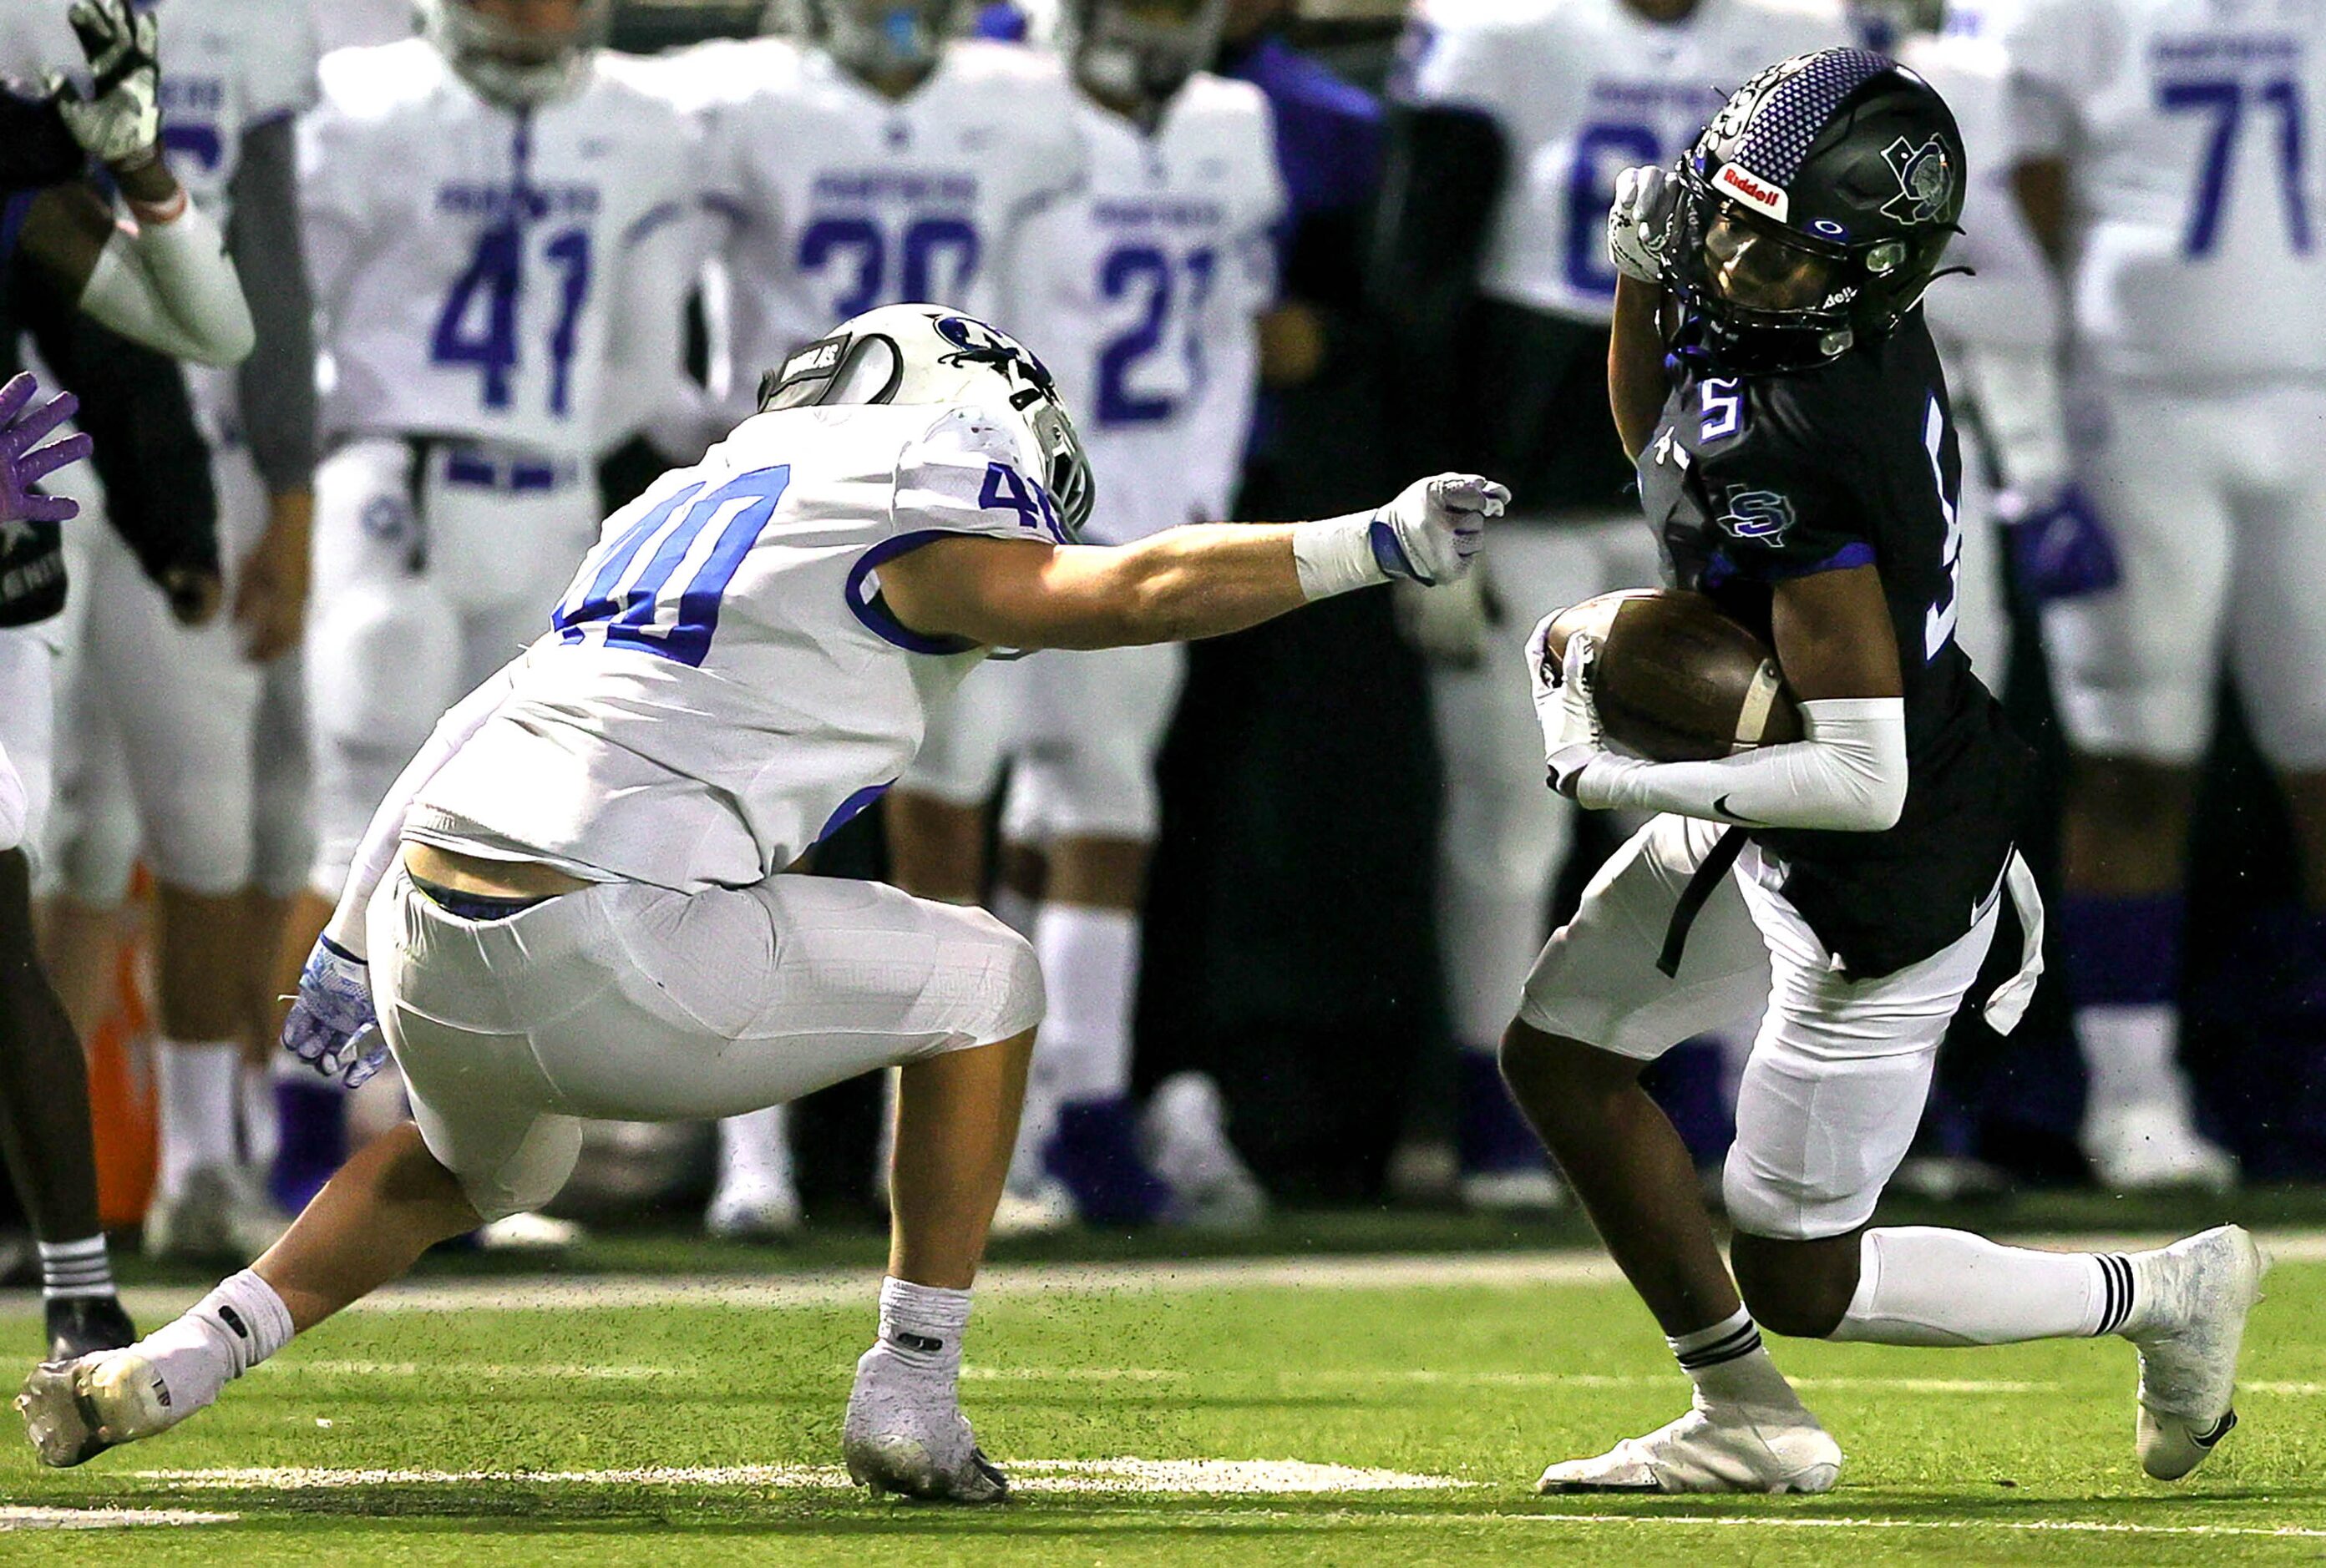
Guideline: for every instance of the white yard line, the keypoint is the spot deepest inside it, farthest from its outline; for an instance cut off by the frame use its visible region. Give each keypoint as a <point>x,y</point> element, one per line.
<point>26,1518</point>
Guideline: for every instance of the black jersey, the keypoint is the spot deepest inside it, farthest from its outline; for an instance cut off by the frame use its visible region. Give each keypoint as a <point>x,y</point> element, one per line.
<point>1752,480</point>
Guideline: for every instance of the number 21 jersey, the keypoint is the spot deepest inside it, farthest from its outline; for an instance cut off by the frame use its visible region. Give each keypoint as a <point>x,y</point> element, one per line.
<point>471,262</point>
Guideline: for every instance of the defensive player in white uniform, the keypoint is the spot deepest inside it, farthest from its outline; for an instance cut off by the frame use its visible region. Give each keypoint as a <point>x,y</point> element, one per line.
<point>581,909</point>
<point>1141,291</point>
<point>486,211</point>
<point>160,743</point>
<point>879,159</point>
<point>165,283</point>
<point>2166,156</point>
<point>1512,120</point>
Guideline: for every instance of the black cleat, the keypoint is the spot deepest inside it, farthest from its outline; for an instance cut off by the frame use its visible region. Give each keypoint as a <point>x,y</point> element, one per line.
<point>79,1325</point>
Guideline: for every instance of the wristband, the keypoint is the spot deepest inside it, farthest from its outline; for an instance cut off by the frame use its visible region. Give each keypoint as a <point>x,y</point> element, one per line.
<point>1335,555</point>
<point>154,214</point>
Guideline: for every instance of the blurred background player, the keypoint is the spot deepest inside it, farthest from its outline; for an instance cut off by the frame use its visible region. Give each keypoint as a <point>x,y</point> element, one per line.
<point>1143,292</point>
<point>1508,127</point>
<point>880,158</point>
<point>2166,157</point>
<point>158,750</point>
<point>485,208</point>
<point>164,280</point>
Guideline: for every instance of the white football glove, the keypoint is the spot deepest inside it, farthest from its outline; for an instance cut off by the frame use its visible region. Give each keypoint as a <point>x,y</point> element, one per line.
<point>1563,704</point>
<point>119,120</point>
<point>1448,626</point>
<point>332,1027</point>
<point>1433,528</point>
<point>1636,223</point>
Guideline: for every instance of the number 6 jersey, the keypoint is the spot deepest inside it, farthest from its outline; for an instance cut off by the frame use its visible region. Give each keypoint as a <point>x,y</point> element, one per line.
<point>722,685</point>
<point>472,263</point>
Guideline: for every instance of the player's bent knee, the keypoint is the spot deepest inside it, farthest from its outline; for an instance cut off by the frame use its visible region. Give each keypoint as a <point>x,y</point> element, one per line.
<point>1552,1075</point>
<point>1022,1000</point>
<point>530,1177</point>
<point>1800,1289</point>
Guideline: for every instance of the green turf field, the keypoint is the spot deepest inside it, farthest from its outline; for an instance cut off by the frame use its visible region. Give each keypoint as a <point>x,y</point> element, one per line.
<point>643,1419</point>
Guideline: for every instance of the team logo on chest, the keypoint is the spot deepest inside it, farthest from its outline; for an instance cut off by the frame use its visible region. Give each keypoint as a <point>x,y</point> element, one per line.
<point>1926,181</point>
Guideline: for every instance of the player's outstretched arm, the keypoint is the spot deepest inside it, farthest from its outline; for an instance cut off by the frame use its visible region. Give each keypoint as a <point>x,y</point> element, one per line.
<point>166,283</point>
<point>1202,580</point>
<point>1848,775</point>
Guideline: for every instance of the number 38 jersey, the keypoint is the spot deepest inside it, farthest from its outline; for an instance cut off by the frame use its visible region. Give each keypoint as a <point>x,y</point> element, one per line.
<point>1581,90</point>
<point>2195,137</point>
<point>472,263</point>
<point>846,201</point>
<point>1139,292</point>
<point>1750,482</point>
<point>722,685</point>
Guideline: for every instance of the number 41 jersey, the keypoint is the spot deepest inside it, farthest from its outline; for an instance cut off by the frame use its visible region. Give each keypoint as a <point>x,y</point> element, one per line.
<point>722,685</point>
<point>472,263</point>
<point>1750,482</point>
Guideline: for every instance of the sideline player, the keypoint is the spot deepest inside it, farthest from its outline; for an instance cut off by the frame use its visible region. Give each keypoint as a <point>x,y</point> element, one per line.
<point>1799,464</point>
<point>2165,163</point>
<point>1143,292</point>
<point>165,283</point>
<point>882,159</point>
<point>159,747</point>
<point>484,206</point>
<point>579,906</point>
<point>1508,127</point>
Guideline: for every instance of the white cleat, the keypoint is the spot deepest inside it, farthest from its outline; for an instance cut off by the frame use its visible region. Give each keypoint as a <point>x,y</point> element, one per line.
<point>1714,1448</point>
<point>529,1232</point>
<point>905,1433</point>
<point>1041,1207</point>
<point>74,1410</point>
<point>757,1213</point>
<point>2198,1293</point>
<point>1183,1133</point>
<point>2155,1148</point>
<point>1527,1190</point>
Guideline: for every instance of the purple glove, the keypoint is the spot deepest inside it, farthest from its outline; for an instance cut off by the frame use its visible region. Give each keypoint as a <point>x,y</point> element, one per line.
<point>2059,548</point>
<point>21,463</point>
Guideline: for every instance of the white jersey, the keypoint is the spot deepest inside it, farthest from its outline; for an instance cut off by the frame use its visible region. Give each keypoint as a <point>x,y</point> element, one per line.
<point>2192,134</point>
<point>1581,90</point>
<point>847,201</point>
<point>722,685</point>
<point>476,269</point>
<point>1139,292</point>
<point>355,24</point>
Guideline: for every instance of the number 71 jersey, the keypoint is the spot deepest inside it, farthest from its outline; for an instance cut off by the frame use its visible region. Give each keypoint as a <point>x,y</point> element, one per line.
<point>473,263</point>
<point>2196,143</point>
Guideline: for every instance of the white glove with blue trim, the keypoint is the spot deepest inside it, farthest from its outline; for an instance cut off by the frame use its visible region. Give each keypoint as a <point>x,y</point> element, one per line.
<point>332,1027</point>
<point>1426,535</point>
<point>1564,705</point>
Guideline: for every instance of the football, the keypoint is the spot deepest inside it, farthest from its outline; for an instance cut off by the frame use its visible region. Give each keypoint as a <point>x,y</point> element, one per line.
<point>1678,681</point>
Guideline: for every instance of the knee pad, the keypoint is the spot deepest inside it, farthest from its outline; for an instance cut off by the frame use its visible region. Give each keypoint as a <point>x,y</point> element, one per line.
<point>1020,1000</point>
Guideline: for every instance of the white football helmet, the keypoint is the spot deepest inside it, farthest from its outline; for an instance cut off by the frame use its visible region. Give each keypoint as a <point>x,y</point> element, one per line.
<point>514,67</point>
<point>934,356</point>
<point>873,39</point>
<point>1137,54</point>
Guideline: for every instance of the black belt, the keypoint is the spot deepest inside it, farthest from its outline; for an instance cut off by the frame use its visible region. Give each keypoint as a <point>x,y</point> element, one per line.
<point>1708,873</point>
<point>480,906</point>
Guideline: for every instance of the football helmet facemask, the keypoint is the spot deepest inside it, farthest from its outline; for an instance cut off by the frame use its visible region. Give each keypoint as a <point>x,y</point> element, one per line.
<point>874,39</point>
<point>510,62</point>
<point>929,356</point>
<point>1814,209</point>
<point>1137,54</point>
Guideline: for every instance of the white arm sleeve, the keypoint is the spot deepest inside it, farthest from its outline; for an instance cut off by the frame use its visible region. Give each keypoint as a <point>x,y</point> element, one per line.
<point>171,287</point>
<point>14,805</point>
<point>1848,775</point>
<point>381,840</point>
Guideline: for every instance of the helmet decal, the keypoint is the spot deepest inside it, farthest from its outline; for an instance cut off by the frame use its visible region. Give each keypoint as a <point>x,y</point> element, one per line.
<point>1926,181</point>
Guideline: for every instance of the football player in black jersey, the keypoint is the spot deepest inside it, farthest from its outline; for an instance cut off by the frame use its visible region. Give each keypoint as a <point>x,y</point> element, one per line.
<point>1772,375</point>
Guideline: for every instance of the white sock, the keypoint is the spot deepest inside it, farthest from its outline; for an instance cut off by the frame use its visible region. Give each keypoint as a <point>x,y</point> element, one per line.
<point>1089,963</point>
<point>259,1130</point>
<point>1730,1366</point>
<point>2129,1057</point>
<point>76,1270</point>
<point>922,1325</point>
<point>200,1086</point>
<point>755,1152</point>
<point>226,1333</point>
<point>1921,1286</point>
<point>1014,910</point>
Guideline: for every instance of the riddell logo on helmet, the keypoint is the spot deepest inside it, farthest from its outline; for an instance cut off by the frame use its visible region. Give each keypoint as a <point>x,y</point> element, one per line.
<point>1757,194</point>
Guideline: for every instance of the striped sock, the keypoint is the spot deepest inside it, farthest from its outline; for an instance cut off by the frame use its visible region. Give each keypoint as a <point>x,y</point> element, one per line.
<point>2115,1292</point>
<point>76,1270</point>
<point>1728,1364</point>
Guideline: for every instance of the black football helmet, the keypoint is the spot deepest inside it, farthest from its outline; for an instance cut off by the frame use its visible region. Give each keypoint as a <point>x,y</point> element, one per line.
<point>1814,209</point>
